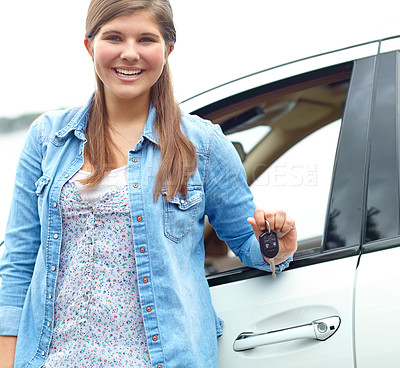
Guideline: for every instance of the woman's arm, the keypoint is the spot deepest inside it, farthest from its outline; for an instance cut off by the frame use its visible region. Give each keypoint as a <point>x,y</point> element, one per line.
<point>22,238</point>
<point>7,351</point>
<point>229,203</point>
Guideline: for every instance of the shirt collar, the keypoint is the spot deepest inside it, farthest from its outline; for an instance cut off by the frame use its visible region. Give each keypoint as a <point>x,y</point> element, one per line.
<point>149,128</point>
<point>78,122</point>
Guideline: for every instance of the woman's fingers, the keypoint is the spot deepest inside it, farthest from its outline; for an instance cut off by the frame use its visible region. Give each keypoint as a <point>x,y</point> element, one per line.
<point>282,224</point>
<point>278,221</point>
<point>287,226</point>
<point>259,216</point>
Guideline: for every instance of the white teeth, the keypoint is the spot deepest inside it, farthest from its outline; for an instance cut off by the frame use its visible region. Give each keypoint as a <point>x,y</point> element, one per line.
<point>125,72</point>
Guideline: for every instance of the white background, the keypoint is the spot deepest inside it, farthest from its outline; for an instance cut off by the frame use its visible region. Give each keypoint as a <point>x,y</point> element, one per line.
<point>44,65</point>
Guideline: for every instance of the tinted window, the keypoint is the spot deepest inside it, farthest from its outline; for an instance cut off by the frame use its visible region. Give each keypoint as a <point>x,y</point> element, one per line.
<point>383,192</point>
<point>345,214</point>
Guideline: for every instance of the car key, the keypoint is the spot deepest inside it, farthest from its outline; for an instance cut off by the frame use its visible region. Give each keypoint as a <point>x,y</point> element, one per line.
<point>269,246</point>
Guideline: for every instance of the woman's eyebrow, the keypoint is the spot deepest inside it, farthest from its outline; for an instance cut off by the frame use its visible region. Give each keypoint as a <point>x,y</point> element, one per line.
<point>150,34</point>
<point>111,31</point>
<point>105,33</point>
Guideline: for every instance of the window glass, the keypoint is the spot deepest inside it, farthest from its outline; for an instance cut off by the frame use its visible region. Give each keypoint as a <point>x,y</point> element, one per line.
<point>249,138</point>
<point>383,193</point>
<point>299,182</point>
<point>288,151</point>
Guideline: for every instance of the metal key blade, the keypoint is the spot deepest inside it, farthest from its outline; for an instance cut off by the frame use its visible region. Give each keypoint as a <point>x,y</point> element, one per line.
<point>272,265</point>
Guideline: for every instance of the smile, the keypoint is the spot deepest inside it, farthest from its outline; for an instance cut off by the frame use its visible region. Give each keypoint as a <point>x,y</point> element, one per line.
<point>128,73</point>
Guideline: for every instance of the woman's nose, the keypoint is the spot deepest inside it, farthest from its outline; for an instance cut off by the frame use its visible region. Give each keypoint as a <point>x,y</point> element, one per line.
<point>130,51</point>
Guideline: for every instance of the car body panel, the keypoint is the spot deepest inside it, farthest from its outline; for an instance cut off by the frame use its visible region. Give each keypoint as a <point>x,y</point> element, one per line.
<point>377,317</point>
<point>296,297</point>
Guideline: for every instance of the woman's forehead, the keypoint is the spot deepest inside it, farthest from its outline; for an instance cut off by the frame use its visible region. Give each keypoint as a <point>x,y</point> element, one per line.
<point>139,19</point>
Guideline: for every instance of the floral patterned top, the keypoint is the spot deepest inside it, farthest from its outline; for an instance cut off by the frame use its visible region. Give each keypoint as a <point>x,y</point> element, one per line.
<point>98,318</point>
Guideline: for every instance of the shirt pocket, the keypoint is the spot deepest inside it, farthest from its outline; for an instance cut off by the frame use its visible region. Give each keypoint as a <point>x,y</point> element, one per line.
<point>181,212</point>
<point>40,186</point>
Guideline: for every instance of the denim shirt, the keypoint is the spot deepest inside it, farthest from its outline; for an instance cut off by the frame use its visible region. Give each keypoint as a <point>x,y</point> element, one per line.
<point>180,322</point>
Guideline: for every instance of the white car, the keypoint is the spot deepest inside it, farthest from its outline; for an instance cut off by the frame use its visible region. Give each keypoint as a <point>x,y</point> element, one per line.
<point>320,138</point>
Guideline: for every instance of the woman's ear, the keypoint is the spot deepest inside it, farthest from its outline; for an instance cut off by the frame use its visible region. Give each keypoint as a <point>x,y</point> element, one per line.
<point>169,49</point>
<point>88,47</point>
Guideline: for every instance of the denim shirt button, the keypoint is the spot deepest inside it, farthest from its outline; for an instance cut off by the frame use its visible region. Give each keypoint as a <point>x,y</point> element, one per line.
<point>43,353</point>
<point>148,309</point>
<point>53,268</point>
<point>140,218</point>
<point>155,338</point>
<point>159,366</point>
<point>182,201</point>
<point>66,176</point>
<point>134,159</point>
<point>50,296</point>
<point>55,204</point>
<point>55,236</point>
<point>142,250</point>
<point>48,324</point>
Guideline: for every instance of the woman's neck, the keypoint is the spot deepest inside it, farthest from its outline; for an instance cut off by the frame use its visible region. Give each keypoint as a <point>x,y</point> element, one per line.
<point>126,120</point>
<point>126,114</point>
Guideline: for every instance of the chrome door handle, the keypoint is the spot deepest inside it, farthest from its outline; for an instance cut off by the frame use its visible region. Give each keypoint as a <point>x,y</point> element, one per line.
<point>321,329</point>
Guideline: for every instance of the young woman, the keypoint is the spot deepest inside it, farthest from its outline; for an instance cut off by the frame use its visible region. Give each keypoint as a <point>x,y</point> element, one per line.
<point>104,258</point>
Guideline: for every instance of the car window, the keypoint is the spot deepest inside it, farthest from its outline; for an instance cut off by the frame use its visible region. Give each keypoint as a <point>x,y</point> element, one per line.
<point>383,192</point>
<point>286,135</point>
<point>299,182</point>
<point>248,139</point>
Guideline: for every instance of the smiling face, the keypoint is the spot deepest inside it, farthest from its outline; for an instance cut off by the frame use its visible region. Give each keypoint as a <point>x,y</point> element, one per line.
<point>129,54</point>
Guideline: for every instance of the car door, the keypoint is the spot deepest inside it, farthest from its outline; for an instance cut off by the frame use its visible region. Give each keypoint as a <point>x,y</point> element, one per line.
<point>307,316</point>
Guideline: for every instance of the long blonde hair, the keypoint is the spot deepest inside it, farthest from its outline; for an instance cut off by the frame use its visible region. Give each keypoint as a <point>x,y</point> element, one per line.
<point>178,154</point>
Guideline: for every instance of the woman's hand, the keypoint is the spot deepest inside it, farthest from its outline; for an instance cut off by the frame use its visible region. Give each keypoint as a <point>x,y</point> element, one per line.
<point>282,224</point>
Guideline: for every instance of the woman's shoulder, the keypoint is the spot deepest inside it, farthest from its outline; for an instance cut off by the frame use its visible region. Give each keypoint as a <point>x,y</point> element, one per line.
<point>60,122</point>
<point>55,118</point>
<point>195,122</point>
<point>203,133</point>
<point>200,131</point>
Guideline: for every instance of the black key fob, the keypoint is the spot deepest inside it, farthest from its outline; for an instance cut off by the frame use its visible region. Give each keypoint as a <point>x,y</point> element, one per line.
<point>269,244</point>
